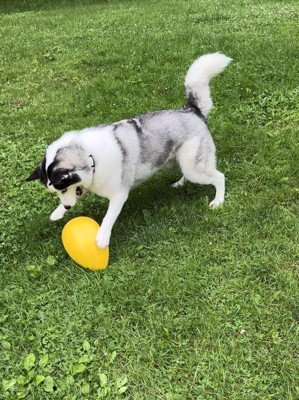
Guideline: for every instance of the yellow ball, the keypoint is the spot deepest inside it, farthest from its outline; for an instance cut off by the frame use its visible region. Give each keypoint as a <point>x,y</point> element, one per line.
<point>79,241</point>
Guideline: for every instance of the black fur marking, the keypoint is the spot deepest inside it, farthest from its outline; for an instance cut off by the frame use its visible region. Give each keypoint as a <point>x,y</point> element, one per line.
<point>136,126</point>
<point>61,178</point>
<point>93,163</point>
<point>192,107</point>
<point>44,177</point>
<point>123,149</point>
<point>143,140</point>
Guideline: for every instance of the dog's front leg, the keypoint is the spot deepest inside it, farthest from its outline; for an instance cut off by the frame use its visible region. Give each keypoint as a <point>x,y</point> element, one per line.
<point>115,205</point>
<point>58,213</point>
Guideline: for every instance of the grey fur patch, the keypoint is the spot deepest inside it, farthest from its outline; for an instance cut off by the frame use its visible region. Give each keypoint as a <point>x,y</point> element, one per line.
<point>199,154</point>
<point>161,133</point>
<point>163,157</point>
<point>67,160</point>
<point>72,157</point>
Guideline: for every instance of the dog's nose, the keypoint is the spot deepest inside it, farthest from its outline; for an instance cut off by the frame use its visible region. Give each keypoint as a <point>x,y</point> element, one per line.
<point>67,207</point>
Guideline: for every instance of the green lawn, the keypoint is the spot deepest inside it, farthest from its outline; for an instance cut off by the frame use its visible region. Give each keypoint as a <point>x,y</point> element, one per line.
<point>196,304</point>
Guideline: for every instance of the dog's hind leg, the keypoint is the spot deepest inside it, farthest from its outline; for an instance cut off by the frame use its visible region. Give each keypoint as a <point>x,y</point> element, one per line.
<point>198,163</point>
<point>218,180</point>
<point>215,178</point>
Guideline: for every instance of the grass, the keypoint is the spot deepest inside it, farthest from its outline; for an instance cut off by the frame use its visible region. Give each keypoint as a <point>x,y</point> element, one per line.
<point>195,304</point>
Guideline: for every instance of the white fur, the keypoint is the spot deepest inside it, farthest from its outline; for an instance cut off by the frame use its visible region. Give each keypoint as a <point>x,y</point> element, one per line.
<point>199,75</point>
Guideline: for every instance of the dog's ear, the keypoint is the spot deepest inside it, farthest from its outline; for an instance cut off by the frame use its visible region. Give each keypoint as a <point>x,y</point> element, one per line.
<point>39,173</point>
<point>36,174</point>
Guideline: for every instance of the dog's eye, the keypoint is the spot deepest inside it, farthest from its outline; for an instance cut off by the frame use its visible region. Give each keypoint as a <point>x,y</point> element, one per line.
<point>64,190</point>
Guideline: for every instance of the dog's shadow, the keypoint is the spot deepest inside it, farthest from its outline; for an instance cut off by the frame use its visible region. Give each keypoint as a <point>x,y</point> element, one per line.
<point>150,198</point>
<point>145,202</point>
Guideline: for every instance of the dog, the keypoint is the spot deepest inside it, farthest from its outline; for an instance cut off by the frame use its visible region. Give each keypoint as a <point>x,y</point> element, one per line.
<point>111,159</point>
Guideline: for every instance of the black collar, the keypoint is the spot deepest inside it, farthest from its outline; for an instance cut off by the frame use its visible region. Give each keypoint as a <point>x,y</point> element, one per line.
<point>94,164</point>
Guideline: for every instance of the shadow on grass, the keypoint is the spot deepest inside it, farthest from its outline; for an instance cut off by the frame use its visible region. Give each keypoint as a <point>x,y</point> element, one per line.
<point>157,193</point>
<point>145,205</point>
<point>145,214</point>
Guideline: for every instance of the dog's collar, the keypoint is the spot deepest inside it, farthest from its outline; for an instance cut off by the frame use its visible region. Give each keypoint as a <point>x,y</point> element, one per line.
<point>93,163</point>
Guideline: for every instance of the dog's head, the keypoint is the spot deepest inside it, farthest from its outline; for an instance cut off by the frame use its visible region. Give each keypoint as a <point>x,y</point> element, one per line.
<point>66,170</point>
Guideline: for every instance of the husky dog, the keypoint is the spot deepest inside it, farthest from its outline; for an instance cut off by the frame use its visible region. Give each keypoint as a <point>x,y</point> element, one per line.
<point>111,159</point>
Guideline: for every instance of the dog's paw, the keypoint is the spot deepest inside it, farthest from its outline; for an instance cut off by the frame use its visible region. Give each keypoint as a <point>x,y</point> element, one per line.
<point>179,183</point>
<point>176,185</point>
<point>57,214</point>
<point>103,238</point>
<point>215,203</point>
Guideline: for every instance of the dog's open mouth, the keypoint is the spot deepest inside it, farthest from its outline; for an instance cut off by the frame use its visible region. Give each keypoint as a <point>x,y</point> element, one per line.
<point>79,191</point>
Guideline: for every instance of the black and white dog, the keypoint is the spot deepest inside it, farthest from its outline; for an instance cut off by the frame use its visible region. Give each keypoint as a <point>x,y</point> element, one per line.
<point>110,159</point>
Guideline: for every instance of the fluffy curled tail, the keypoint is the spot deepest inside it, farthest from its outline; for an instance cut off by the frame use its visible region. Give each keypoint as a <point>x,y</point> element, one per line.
<point>198,77</point>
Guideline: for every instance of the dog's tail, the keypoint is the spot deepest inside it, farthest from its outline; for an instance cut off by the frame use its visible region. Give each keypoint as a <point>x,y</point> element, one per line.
<point>198,77</point>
